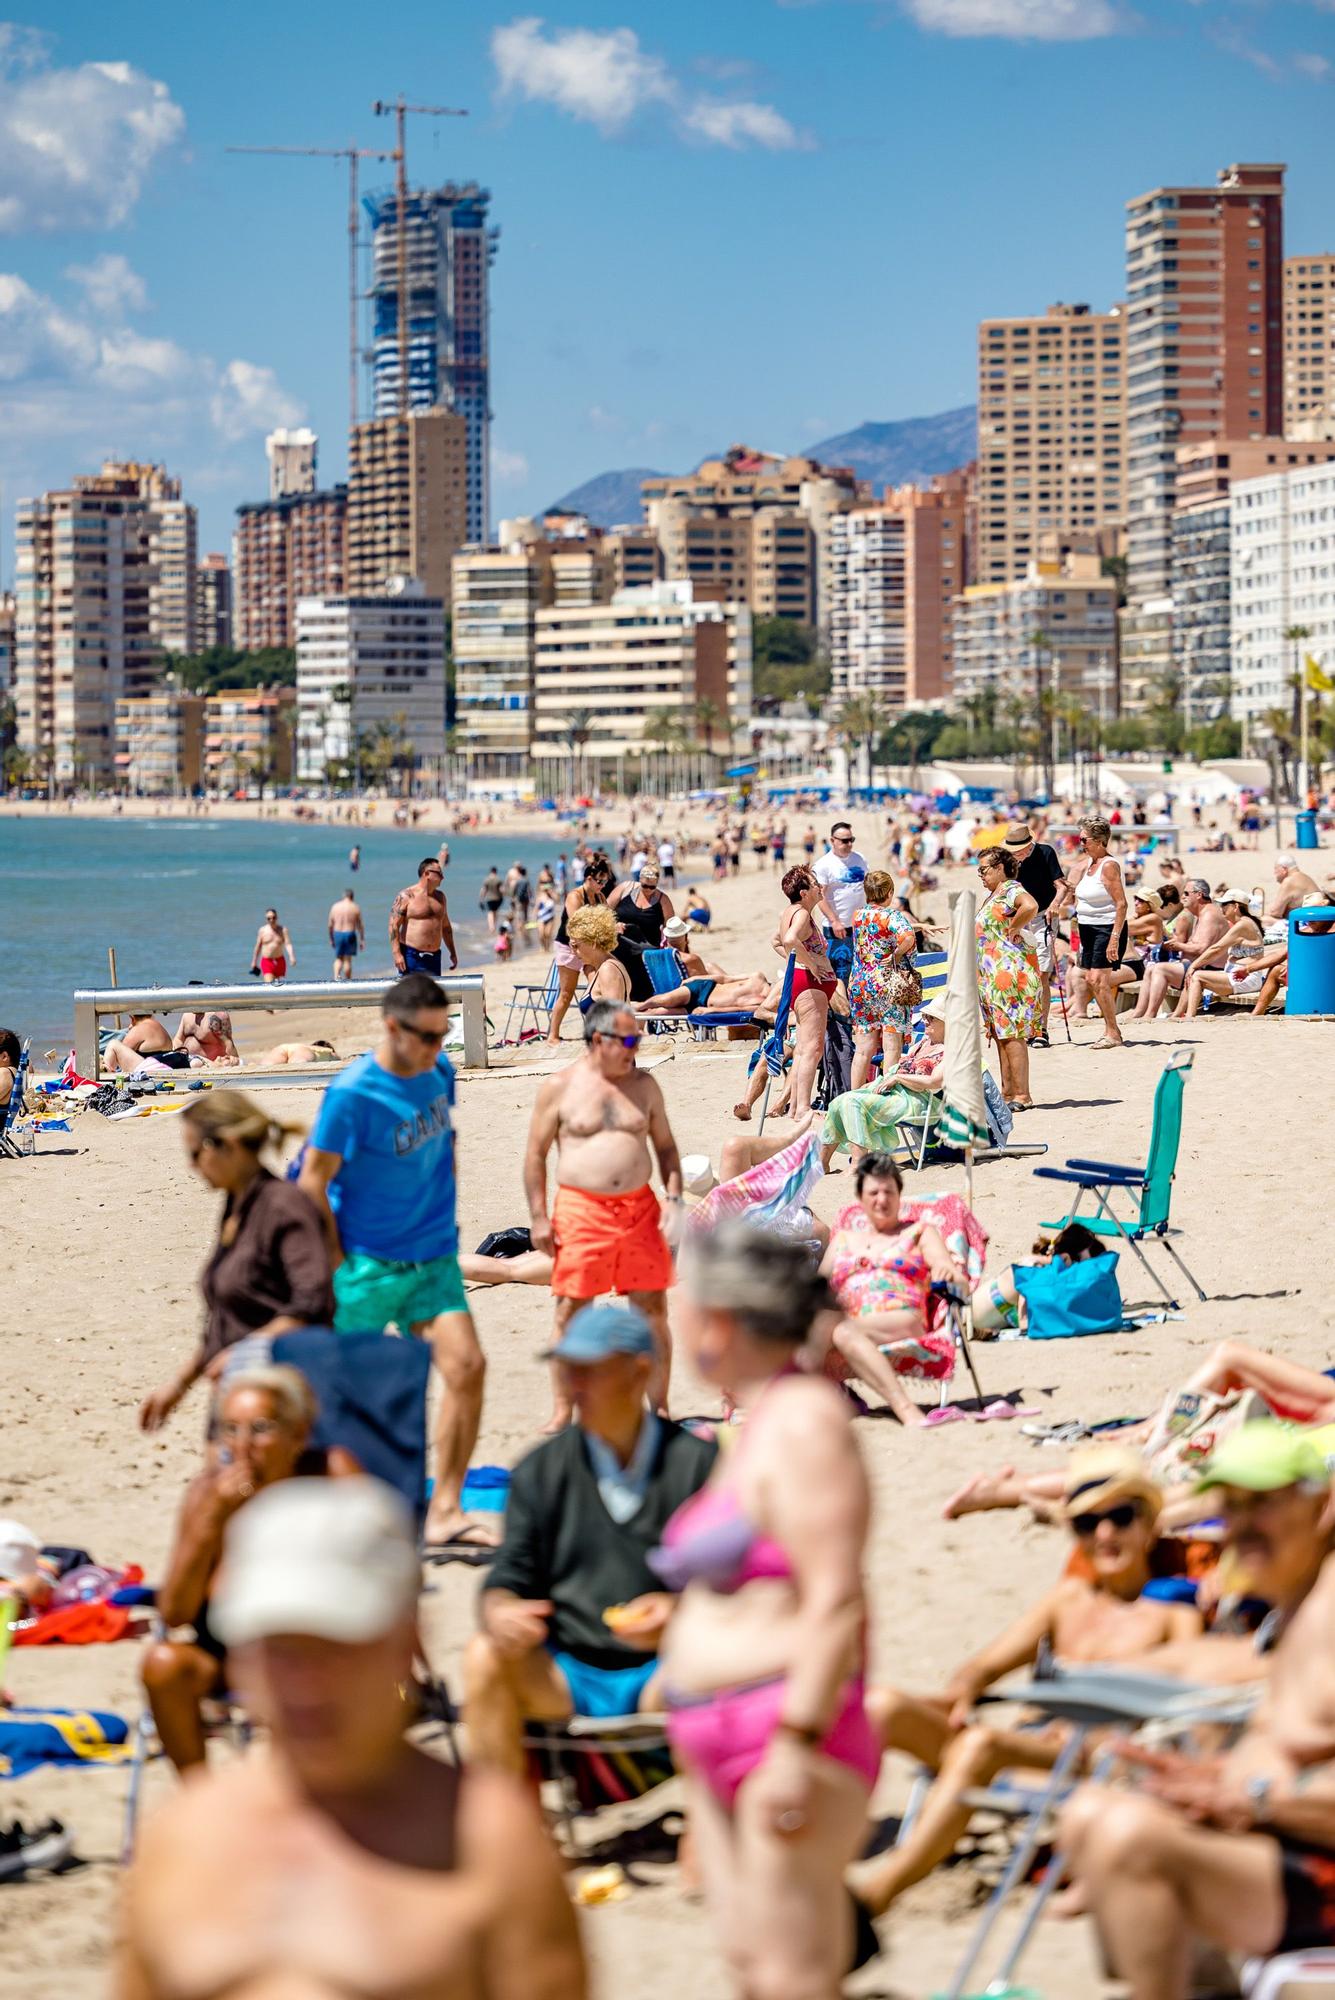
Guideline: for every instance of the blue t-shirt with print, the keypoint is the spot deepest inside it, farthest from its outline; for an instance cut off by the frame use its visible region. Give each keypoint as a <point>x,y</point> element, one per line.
<point>394,1195</point>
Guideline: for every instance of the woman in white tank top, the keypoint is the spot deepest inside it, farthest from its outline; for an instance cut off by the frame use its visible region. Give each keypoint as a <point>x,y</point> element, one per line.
<point>1100,912</point>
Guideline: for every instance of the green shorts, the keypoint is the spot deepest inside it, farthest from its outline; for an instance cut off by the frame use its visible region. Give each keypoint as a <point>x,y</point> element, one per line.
<point>371,1293</point>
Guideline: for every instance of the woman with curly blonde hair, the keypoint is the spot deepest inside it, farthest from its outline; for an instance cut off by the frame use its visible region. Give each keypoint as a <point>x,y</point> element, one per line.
<point>593,935</point>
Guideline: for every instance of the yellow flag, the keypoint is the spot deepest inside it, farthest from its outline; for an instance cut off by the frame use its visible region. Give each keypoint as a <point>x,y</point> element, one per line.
<point>1319,682</point>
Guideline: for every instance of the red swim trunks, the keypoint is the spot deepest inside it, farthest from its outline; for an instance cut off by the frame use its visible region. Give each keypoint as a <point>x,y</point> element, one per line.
<point>608,1243</point>
<point>274,968</point>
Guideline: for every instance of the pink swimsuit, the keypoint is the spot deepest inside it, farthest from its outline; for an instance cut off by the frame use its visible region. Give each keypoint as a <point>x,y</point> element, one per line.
<point>723,1736</point>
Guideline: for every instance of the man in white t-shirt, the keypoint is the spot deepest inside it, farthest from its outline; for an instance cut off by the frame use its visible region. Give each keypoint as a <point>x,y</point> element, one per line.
<point>667,863</point>
<point>842,874</point>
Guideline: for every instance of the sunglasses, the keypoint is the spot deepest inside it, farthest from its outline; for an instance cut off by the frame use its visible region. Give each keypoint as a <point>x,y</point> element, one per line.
<point>842,839</point>
<point>261,1431</point>
<point>430,1037</point>
<point>626,1041</point>
<point>1121,1516</point>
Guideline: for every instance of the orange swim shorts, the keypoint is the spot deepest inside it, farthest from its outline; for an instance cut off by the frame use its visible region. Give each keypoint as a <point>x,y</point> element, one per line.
<point>608,1243</point>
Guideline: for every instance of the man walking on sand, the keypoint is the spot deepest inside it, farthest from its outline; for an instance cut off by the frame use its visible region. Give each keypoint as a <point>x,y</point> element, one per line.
<point>605,1226</point>
<point>340,1858</point>
<point>347,933</point>
<point>419,923</point>
<point>273,952</point>
<point>381,1169</point>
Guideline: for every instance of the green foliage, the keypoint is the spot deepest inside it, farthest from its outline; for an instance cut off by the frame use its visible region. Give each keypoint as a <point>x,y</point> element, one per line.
<point>913,736</point>
<point>787,665</point>
<point>1215,739</point>
<point>958,740</point>
<point>1129,732</point>
<point>225,667</point>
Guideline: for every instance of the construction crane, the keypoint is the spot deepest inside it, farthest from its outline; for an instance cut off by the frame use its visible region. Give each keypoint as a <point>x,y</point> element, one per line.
<point>353,155</point>
<point>400,112</point>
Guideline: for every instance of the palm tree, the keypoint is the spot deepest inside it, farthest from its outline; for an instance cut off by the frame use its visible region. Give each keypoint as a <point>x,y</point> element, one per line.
<point>663,730</point>
<point>578,729</point>
<point>706,717</point>
<point>1042,648</point>
<point>1297,635</point>
<point>859,722</point>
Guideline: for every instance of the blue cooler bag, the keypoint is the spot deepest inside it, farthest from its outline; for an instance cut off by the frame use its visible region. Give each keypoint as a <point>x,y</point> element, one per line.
<point>1068,1299</point>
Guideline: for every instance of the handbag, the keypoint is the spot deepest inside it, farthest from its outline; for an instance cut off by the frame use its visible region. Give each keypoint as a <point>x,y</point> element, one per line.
<point>904,985</point>
<point>1065,1300</point>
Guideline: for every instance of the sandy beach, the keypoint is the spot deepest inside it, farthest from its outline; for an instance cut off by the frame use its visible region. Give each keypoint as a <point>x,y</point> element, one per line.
<point>105,1232</point>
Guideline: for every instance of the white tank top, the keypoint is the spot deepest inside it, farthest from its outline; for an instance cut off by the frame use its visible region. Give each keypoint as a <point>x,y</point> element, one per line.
<point>1093,904</point>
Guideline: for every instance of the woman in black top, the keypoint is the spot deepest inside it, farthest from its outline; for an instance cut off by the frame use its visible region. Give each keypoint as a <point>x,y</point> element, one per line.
<point>596,887</point>
<point>641,910</point>
<point>269,1270</point>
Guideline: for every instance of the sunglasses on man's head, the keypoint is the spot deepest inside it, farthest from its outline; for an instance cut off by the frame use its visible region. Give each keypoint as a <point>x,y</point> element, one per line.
<point>1120,1516</point>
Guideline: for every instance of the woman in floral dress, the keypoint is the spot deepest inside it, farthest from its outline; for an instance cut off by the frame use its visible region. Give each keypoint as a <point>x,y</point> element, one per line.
<point>883,943</point>
<point>1009,987</point>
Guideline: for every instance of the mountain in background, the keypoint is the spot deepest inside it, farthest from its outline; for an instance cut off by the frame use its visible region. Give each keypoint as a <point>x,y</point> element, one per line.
<point>907,451</point>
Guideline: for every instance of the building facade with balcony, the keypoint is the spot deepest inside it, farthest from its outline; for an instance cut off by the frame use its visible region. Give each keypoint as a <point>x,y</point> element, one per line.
<point>497,596</point>
<point>371,667</point>
<point>1282,559</point>
<point>160,744</point>
<point>285,550</point>
<point>1055,631</point>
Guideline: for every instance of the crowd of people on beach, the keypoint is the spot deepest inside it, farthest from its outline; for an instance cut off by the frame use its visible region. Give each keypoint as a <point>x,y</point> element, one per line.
<point>712,1571</point>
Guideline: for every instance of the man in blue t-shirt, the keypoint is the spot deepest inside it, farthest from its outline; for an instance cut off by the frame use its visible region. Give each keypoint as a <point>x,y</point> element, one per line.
<point>380,1167</point>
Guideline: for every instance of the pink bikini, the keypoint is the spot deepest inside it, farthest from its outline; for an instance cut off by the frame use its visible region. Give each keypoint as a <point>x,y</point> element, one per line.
<point>724,1735</point>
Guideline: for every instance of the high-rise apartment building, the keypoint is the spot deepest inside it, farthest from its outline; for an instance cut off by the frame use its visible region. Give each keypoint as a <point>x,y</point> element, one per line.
<point>407,500</point>
<point>93,610</point>
<point>896,567</point>
<point>1283,557</point>
<point>1205,359</point>
<point>374,665</point>
<point>248,738</point>
<point>8,621</point>
<point>1051,434</point>
<point>286,550</point>
<point>1053,629</point>
<point>497,596</point>
<point>1309,344</point>
<point>754,526</point>
<point>291,455</point>
<point>213,603</point>
<point>160,743</point>
<point>449,251</point>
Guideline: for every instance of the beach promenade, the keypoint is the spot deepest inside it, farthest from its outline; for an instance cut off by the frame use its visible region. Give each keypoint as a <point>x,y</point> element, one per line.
<point>106,1233</point>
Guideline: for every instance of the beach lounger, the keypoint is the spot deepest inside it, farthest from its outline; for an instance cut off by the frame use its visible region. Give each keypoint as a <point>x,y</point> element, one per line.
<point>1297,1973</point>
<point>10,1148</point>
<point>534,1004</point>
<point>1149,1188</point>
<point>663,968</point>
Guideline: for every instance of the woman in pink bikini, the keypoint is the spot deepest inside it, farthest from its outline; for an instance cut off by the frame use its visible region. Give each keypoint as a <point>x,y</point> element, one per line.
<point>763,1661</point>
<point>814,983</point>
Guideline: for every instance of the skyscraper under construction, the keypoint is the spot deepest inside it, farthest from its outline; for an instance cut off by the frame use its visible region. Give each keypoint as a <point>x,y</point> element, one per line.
<point>449,248</point>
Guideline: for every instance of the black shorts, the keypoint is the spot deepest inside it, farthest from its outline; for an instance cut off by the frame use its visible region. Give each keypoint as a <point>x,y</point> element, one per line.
<point>1307,1882</point>
<point>1094,942</point>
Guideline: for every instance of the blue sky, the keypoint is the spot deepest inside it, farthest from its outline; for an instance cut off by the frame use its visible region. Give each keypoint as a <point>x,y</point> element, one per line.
<point>766,220</point>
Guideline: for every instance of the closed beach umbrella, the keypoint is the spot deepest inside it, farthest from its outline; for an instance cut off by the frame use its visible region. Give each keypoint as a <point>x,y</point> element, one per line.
<point>964,1108</point>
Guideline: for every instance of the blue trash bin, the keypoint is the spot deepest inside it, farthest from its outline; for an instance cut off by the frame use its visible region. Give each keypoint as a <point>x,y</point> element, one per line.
<point>1311,963</point>
<point>1307,833</point>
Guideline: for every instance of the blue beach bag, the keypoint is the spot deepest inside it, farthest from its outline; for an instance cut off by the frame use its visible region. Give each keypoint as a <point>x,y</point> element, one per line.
<point>1069,1299</point>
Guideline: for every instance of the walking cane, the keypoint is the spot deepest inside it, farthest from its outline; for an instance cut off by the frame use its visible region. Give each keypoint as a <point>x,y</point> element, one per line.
<point>1061,983</point>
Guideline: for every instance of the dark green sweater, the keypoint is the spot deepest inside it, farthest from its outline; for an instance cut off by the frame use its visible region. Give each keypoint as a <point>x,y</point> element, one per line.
<point>561,1542</point>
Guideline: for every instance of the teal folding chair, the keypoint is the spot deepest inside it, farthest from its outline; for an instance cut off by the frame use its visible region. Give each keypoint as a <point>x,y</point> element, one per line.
<point>533,1004</point>
<point>1149,1188</point>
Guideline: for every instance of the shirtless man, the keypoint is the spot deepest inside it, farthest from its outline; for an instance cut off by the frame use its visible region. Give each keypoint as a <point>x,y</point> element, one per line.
<point>605,1229</point>
<point>720,995</point>
<point>1208,924</point>
<point>347,933</point>
<point>208,1036</point>
<point>1291,885</point>
<point>339,1857</point>
<point>419,923</point>
<point>273,952</point>
<point>145,1036</point>
<point>1111,1506</point>
<point>1236,1849</point>
<point>677,937</point>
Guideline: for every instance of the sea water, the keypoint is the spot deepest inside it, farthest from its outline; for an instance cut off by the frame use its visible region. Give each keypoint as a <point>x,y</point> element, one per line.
<point>183,899</point>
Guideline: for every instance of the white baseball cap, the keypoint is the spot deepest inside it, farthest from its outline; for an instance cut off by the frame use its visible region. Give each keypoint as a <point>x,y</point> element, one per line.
<point>19,1550</point>
<point>327,1558</point>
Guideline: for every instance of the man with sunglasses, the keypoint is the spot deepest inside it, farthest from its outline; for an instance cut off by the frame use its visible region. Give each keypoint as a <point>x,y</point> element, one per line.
<point>605,1227</point>
<point>381,1169</point>
<point>1234,1849</point>
<point>1097,1612</point>
<point>842,874</point>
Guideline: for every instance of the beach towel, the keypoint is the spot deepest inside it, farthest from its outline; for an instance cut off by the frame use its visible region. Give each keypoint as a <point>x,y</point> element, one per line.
<point>767,1195</point>
<point>31,1737</point>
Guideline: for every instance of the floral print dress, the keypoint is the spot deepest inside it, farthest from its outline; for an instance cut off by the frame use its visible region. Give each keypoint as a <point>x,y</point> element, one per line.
<point>878,931</point>
<point>1009,987</point>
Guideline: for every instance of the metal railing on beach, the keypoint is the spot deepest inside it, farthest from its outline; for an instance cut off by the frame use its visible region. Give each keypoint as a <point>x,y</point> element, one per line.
<point>465,990</point>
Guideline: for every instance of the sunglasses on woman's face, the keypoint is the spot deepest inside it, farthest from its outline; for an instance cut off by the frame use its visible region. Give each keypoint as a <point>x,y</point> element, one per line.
<point>1121,1516</point>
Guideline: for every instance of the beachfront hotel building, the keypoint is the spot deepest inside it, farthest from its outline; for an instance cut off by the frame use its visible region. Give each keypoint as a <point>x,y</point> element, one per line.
<point>371,666</point>
<point>160,743</point>
<point>895,568</point>
<point>407,500</point>
<point>1204,359</point>
<point>285,550</point>
<point>213,603</point>
<point>1309,345</point>
<point>1071,605</point>
<point>497,595</point>
<point>608,669</point>
<point>1051,435</point>
<point>752,526</point>
<point>101,569</point>
<point>1282,556</point>
<point>449,247</point>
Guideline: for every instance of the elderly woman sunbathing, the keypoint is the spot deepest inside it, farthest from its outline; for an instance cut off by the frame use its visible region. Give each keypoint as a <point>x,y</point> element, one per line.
<point>1098,1613</point>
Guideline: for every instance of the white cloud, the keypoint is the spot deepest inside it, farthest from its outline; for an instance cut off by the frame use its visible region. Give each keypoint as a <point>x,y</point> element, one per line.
<point>510,468</point>
<point>1318,69</point>
<point>76,144</point>
<point>1019,20</point>
<point>111,284</point>
<point>599,419</point>
<point>249,398</point>
<point>607,78</point>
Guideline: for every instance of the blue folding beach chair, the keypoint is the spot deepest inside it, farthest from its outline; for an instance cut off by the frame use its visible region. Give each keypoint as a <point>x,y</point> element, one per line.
<point>534,1004</point>
<point>10,1148</point>
<point>773,1050</point>
<point>663,968</point>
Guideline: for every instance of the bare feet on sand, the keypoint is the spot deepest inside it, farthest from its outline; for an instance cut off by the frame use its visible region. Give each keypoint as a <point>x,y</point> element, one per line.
<point>979,1494</point>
